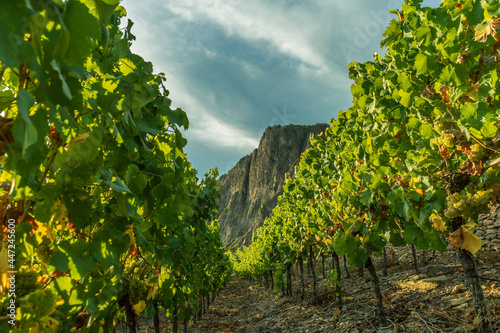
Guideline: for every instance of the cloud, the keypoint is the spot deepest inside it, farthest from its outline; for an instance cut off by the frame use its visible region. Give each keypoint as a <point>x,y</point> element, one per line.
<point>255,21</point>
<point>238,66</point>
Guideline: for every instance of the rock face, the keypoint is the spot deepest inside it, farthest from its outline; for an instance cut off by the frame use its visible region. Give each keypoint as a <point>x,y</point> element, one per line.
<point>488,229</point>
<point>250,190</point>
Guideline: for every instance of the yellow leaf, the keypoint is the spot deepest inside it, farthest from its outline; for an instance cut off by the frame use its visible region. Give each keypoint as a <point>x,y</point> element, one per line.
<point>438,222</point>
<point>151,293</point>
<point>487,30</point>
<point>419,191</point>
<point>42,230</point>
<point>465,239</point>
<point>80,138</point>
<point>130,233</point>
<point>60,214</point>
<point>471,243</point>
<point>471,224</point>
<point>139,307</point>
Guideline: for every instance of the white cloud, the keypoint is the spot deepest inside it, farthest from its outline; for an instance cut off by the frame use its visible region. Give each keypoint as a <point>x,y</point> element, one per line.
<point>215,132</point>
<point>292,31</point>
<point>237,66</point>
<point>211,130</point>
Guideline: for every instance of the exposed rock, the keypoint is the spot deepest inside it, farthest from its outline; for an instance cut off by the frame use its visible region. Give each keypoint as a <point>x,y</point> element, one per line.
<point>439,269</point>
<point>421,285</point>
<point>438,279</point>
<point>250,190</point>
<point>460,301</point>
<point>487,222</point>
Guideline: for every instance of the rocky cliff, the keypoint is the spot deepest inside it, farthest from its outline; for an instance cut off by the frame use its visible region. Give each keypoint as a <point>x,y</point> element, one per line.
<point>250,190</point>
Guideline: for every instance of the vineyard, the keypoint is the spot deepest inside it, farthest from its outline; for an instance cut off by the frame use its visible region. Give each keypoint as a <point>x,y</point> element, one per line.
<point>105,221</point>
<point>414,161</point>
<point>103,216</point>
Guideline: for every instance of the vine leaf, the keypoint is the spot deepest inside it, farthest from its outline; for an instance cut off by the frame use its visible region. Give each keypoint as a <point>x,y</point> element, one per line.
<point>438,222</point>
<point>139,307</point>
<point>488,29</point>
<point>465,239</point>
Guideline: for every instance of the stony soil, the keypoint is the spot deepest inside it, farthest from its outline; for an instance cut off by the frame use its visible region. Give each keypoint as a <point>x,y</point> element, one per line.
<point>434,300</point>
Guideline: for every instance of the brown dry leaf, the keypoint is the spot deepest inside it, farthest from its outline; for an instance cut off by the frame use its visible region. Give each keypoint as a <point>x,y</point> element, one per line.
<point>335,317</point>
<point>457,289</point>
<point>472,168</point>
<point>444,152</point>
<point>489,29</point>
<point>455,238</point>
<point>461,56</point>
<point>445,93</point>
<point>427,92</point>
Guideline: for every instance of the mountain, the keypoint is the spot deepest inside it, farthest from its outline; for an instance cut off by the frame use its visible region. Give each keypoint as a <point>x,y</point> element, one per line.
<point>250,190</point>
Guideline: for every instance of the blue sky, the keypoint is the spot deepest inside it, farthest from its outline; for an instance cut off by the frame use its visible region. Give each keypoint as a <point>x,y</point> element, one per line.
<point>237,67</point>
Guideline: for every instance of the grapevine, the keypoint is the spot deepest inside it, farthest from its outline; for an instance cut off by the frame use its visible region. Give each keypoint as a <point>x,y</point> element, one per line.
<point>95,175</point>
<point>467,205</point>
<point>411,161</point>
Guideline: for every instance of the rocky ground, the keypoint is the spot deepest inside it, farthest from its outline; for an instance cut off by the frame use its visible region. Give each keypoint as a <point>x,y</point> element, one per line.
<point>434,300</point>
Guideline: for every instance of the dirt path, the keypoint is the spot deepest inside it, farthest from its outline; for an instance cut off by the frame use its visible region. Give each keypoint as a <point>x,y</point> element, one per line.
<point>435,300</point>
<point>239,308</point>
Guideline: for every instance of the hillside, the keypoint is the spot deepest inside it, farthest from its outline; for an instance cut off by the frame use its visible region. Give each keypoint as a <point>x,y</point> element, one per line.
<point>435,300</point>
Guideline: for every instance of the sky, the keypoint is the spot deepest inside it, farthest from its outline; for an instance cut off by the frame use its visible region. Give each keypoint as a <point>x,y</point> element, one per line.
<point>237,67</point>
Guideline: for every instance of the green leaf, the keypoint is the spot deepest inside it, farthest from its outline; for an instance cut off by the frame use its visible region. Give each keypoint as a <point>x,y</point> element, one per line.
<point>468,110</point>
<point>118,185</point>
<point>65,86</point>
<point>81,27</point>
<point>176,242</point>
<point>25,102</point>
<point>397,240</point>
<point>455,74</point>
<point>13,48</point>
<point>489,129</point>
<point>421,63</point>
<point>178,117</point>
<point>64,287</point>
<point>426,131</point>
<point>406,98</point>
<point>493,8</point>
<point>79,208</point>
<point>135,180</point>
<point>105,9</point>
<point>366,197</point>
<point>149,123</point>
